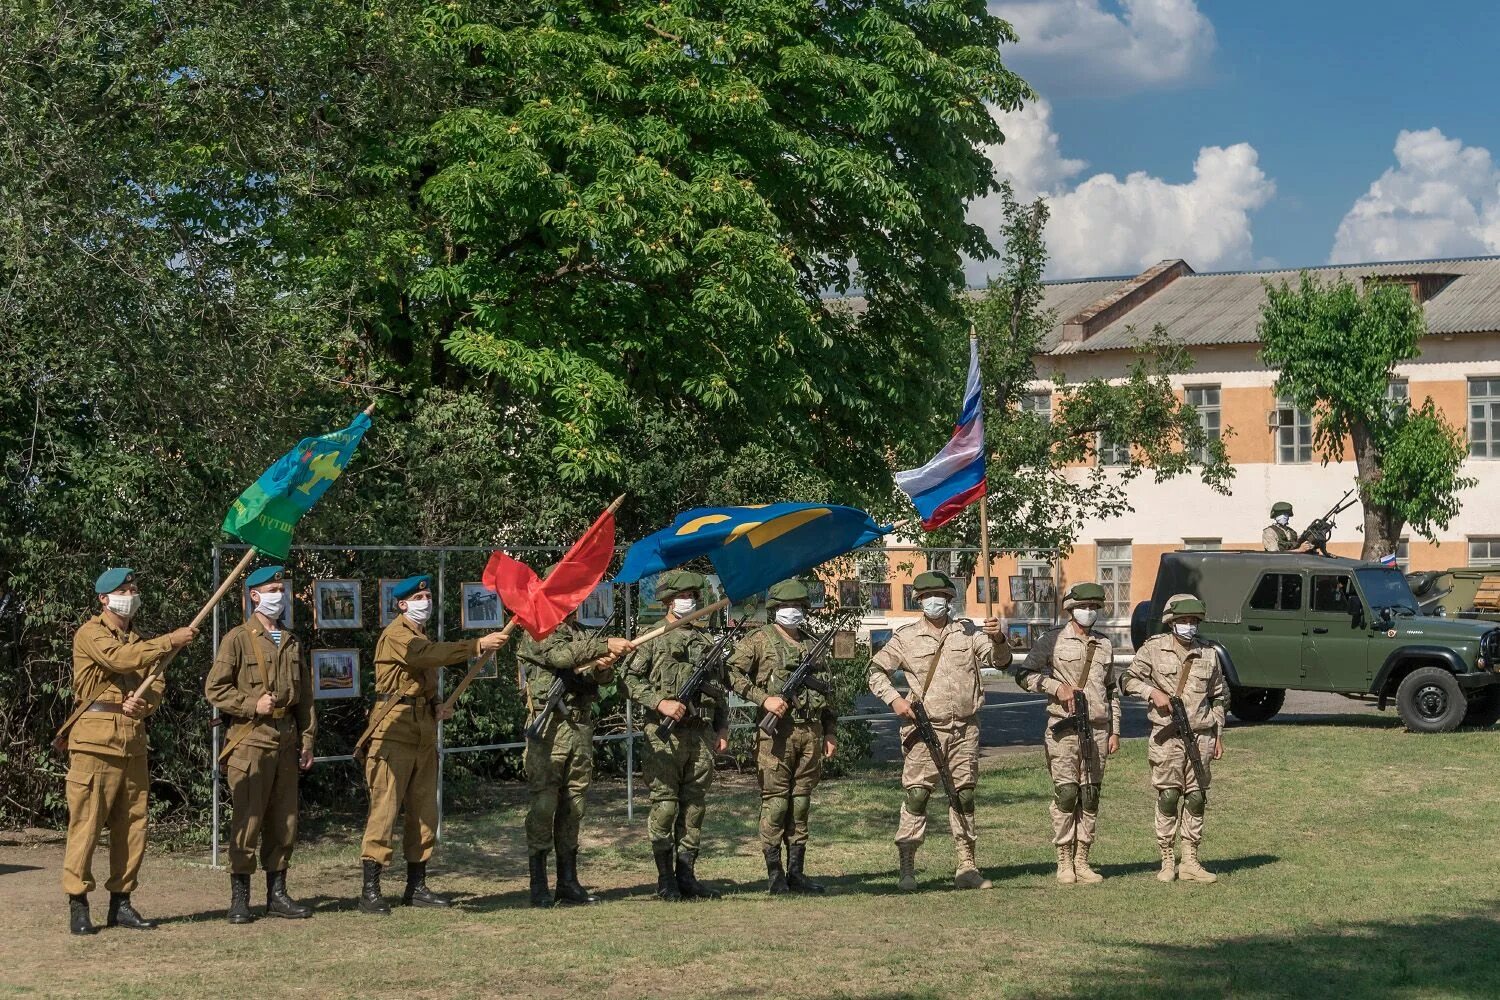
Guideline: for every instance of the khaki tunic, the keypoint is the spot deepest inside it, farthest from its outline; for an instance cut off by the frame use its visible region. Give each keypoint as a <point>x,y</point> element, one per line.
<point>107,778</point>
<point>1278,539</point>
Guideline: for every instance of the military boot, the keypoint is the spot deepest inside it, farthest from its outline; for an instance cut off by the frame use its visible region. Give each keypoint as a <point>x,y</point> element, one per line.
<point>569,889</point>
<point>1081,866</point>
<point>541,896</point>
<point>239,900</point>
<point>370,899</point>
<point>1065,871</point>
<point>122,914</point>
<point>908,856</point>
<point>1190,870</point>
<point>666,875</point>
<point>687,879</point>
<point>968,875</point>
<point>775,876</point>
<point>796,855</point>
<point>417,893</point>
<point>78,914</point>
<point>1168,871</point>
<point>278,903</point>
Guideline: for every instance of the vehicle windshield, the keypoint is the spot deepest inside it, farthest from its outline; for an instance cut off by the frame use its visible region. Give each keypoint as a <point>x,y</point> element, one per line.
<point>1387,589</point>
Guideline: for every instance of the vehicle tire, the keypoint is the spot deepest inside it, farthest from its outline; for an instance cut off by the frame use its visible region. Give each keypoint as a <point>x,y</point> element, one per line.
<point>1484,707</point>
<point>1140,624</point>
<point>1429,700</point>
<point>1255,704</point>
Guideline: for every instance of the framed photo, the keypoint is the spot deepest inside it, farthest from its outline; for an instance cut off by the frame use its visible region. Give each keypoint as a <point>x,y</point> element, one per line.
<point>1020,588</point>
<point>880,597</point>
<point>1018,635</point>
<point>849,593</point>
<point>480,607</point>
<point>645,593</point>
<point>388,607</point>
<point>845,645</point>
<point>598,607</point>
<point>336,604</point>
<point>817,594</point>
<point>286,616</point>
<point>491,670</point>
<point>909,600</point>
<point>1043,587</point>
<point>335,673</point>
<point>984,586</point>
<point>879,637</point>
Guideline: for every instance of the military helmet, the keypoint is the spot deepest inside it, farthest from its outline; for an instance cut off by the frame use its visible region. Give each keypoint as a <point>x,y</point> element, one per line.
<point>934,580</point>
<point>1083,593</point>
<point>1281,507</point>
<point>679,581</point>
<point>1183,605</point>
<point>787,592</point>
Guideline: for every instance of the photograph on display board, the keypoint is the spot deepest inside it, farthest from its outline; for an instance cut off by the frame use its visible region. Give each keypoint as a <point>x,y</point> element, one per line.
<point>817,594</point>
<point>335,673</point>
<point>880,597</point>
<point>389,609</point>
<point>480,607</point>
<point>982,590</point>
<point>598,607</point>
<point>845,645</point>
<point>287,616</point>
<point>490,671</point>
<point>849,593</point>
<point>878,638</point>
<point>1043,588</point>
<point>336,604</point>
<point>1018,635</point>
<point>1020,588</point>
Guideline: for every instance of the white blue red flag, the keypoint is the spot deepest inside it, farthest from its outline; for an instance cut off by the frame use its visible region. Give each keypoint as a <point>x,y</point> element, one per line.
<point>1389,559</point>
<point>955,476</point>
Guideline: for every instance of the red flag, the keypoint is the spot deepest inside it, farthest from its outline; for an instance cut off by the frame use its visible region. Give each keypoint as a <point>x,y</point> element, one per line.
<point>541,605</point>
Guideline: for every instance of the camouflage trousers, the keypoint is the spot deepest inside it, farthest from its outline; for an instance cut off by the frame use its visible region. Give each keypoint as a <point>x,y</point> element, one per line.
<point>680,770</point>
<point>1066,764</point>
<point>959,742</point>
<point>559,769</point>
<point>787,767</point>
<point>1170,769</point>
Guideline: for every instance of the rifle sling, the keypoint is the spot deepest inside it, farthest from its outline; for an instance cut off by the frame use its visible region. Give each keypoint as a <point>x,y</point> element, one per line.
<point>932,669</point>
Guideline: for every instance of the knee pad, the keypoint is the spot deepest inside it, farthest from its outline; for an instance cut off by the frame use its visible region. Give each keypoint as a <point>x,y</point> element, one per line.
<point>545,802</point>
<point>916,800</point>
<point>774,809</point>
<point>1195,801</point>
<point>1090,796</point>
<point>1066,797</point>
<point>966,800</point>
<point>1167,800</point>
<point>801,806</point>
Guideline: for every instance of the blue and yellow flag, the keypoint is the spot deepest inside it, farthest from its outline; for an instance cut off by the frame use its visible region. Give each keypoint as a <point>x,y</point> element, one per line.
<point>753,547</point>
<point>265,514</point>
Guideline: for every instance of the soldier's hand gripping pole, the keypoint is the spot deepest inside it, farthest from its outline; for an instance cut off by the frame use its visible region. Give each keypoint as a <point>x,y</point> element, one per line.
<point>477,667</point>
<point>559,686</point>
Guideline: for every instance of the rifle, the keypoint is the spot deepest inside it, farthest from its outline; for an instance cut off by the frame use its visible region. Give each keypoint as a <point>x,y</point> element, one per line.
<point>805,676</point>
<point>1078,722</point>
<point>1319,530</point>
<point>923,731</point>
<point>1189,741</point>
<point>705,678</point>
<point>562,683</point>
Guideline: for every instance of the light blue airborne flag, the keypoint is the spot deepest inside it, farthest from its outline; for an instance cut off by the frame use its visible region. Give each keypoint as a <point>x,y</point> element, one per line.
<point>265,514</point>
<point>753,547</point>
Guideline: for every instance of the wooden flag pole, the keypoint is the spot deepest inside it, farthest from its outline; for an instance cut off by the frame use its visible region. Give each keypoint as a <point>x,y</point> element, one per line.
<point>477,667</point>
<point>197,622</point>
<point>984,555</point>
<point>662,630</point>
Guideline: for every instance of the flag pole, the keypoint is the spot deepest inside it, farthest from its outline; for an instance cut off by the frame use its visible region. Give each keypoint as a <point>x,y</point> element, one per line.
<point>204,612</point>
<point>984,554</point>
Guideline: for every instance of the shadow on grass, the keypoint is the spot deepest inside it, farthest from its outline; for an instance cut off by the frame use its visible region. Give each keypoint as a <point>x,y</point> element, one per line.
<point>319,904</point>
<point>1331,721</point>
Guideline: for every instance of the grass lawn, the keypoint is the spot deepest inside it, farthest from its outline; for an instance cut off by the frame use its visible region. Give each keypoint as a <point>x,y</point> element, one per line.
<point>1355,860</point>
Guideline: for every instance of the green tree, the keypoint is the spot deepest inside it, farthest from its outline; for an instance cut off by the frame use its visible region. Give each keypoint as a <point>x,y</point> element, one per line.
<point>1336,349</point>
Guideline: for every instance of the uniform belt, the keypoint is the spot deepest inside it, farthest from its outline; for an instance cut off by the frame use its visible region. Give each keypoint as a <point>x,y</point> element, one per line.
<point>407,700</point>
<point>107,706</point>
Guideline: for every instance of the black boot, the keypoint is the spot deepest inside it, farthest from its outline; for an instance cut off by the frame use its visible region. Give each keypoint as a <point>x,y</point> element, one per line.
<point>569,889</point>
<point>278,903</point>
<point>541,896</point>
<point>795,880</point>
<point>666,877</point>
<point>239,900</point>
<point>122,914</point>
<point>687,879</point>
<point>370,899</point>
<point>775,877</point>
<point>417,893</point>
<point>78,914</point>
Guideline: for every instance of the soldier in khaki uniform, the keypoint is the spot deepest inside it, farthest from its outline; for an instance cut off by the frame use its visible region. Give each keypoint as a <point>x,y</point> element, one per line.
<point>401,766</point>
<point>789,764</point>
<point>941,658</point>
<point>559,761</point>
<point>262,685</point>
<point>1176,663</point>
<point>107,772</point>
<point>1279,535</point>
<point>1064,661</point>
<point>679,766</point>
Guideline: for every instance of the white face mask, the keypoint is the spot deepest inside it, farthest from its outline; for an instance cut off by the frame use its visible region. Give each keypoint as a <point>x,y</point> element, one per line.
<point>125,605</point>
<point>1085,617</point>
<point>419,611</point>
<point>272,604</point>
<point>684,606</point>
<point>1186,630</point>
<point>935,607</point>
<point>790,617</point>
<point>1283,519</point>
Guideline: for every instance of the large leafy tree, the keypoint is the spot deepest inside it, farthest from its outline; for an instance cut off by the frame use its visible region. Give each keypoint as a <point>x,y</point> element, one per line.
<point>1336,348</point>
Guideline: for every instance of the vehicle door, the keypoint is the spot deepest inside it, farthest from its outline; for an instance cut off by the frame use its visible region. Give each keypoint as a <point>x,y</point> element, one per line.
<point>1333,649</point>
<point>1273,617</point>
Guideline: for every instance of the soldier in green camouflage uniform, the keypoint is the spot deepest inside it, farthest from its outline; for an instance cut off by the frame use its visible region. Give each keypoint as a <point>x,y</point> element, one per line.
<point>680,766</point>
<point>559,760</point>
<point>789,764</point>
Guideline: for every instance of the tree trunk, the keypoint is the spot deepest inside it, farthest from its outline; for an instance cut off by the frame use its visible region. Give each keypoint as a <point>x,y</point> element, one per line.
<point>1382,525</point>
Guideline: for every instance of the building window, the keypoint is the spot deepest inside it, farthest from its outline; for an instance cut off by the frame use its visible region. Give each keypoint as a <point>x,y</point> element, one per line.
<point>1484,552</point>
<point>1038,403</point>
<point>1113,452</point>
<point>1114,577</point>
<point>880,597</point>
<point>1205,399</point>
<point>1403,555</point>
<point>1484,418</point>
<point>1294,435</point>
<point>1203,543</point>
<point>1039,604</point>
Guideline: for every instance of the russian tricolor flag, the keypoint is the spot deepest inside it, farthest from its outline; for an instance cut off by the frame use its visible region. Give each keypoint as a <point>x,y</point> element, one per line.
<point>955,476</point>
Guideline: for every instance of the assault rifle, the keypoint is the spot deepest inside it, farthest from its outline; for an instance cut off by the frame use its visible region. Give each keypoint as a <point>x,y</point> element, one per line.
<point>1078,722</point>
<point>1189,741</point>
<point>923,731</point>
<point>1320,529</point>
<point>804,677</point>
<point>705,678</point>
<point>563,681</point>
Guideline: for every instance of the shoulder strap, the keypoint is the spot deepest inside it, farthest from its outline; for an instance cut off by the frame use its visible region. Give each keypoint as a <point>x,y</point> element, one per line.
<point>1088,663</point>
<point>932,668</point>
<point>1182,674</point>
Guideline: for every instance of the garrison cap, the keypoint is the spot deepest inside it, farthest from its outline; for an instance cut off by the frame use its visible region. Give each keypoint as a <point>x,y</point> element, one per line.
<point>933,580</point>
<point>787,592</point>
<point>1183,605</point>
<point>1083,593</point>
<point>412,584</point>
<point>265,575</point>
<point>113,579</point>
<point>1280,507</point>
<point>677,581</point>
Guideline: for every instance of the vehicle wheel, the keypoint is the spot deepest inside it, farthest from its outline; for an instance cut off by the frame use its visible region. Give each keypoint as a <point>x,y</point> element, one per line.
<point>1429,700</point>
<point>1255,704</point>
<point>1484,707</point>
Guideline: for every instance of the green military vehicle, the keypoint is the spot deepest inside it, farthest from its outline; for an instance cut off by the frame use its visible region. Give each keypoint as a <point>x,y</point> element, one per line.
<point>1297,621</point>
<point>1462,592</point>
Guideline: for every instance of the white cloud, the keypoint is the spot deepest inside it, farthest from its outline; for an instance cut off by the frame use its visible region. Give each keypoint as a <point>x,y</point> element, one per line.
<point>1079,46</point>
<point>1105,225</point>
<point>1442,199</point>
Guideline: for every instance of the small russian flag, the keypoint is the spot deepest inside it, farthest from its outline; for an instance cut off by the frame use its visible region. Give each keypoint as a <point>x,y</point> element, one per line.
<point>1389,559</point>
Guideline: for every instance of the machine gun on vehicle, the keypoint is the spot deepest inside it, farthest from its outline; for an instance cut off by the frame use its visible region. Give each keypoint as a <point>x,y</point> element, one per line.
<point>1318,532</point>
<point>802,678</point>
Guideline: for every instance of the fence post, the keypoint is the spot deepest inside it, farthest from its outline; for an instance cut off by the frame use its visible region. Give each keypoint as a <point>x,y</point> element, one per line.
<point>213,860</point>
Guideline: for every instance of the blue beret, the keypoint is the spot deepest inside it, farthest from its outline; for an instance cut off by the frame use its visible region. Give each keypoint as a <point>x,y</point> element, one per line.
<point>113,579</point>
<point>266,574</point>
<point>412,584</point>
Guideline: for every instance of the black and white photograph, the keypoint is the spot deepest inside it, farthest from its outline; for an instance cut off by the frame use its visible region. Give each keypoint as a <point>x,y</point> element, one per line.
<point>336,604</point>
<point>480,607</point>
<point>597,608</point>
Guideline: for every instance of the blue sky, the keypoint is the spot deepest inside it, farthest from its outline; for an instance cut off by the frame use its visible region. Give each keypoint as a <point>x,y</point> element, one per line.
<point>1288,111</point>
